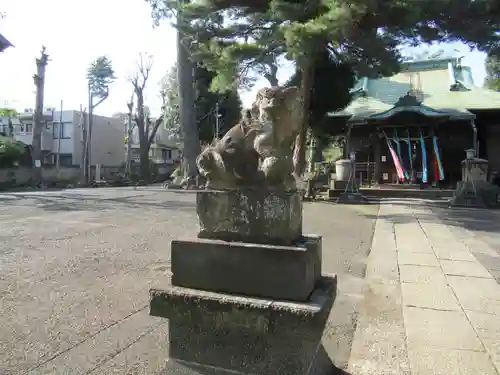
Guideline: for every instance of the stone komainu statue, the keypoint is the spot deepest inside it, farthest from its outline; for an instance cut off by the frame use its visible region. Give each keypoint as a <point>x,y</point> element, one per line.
<point>259,150</point>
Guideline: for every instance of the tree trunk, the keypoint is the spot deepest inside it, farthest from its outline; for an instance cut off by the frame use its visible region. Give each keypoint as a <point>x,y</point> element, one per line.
<point>272,75</point>
<point>313,146</point>
<point>185,71</point>
<point>144,162</point>
<point>36,144</point>
<point>143,136</point>
<point>300,142</point>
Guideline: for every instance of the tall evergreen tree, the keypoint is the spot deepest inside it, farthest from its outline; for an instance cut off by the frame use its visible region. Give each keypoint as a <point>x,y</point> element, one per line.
<point>206,105</point>
<point>365,34</point>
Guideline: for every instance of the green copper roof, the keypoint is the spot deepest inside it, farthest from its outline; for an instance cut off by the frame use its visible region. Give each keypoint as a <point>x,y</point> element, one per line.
<point>441,86</point>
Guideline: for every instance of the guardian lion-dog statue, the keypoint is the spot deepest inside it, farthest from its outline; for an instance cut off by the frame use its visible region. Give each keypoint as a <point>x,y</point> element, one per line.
<point>258,151</point>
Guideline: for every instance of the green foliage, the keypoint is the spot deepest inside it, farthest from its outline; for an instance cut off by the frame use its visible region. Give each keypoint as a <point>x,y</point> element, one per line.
<point>177,172</point>
<point>100,75</point>
<point>10,151</point>
<point>331,90</point>
<point>229,107</point>
<point>332,153</point>
<point>8,112</point>
<point>205,105</point>
<point>235,36</point>
<point>170,94</point>
<point>492,66</point>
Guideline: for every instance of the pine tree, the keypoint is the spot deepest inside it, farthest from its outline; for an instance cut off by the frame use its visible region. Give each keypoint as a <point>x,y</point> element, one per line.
<point>229,105</point>
<point>214,108</point>
<point>237,35</point>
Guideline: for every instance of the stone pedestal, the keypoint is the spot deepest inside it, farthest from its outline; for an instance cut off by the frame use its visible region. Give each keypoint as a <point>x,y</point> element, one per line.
<point>338,185</point>
<point>350,197</point>
<point>250,215</point>
<point>247,296</point>
<point>471,191</point>
<point>478,169</point>
<point>212,333</point>
<point>284,272</point>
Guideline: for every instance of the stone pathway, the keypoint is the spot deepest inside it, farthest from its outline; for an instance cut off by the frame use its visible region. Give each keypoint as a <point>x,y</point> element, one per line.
<point>430,307</point>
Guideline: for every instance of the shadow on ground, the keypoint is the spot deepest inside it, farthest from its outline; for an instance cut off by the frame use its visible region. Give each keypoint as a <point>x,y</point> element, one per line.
<point>468,218</point>
<point>323,365</point>
<point>79,202</point>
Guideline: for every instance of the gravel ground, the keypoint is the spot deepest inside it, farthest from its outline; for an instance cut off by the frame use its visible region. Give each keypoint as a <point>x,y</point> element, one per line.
<point>76,266</point>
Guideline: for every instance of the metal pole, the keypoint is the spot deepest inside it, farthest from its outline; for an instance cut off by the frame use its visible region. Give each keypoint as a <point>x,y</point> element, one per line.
<point>59,138</point>
<point>83,139</point>
<point>89,137</point>
<point>129,145</point>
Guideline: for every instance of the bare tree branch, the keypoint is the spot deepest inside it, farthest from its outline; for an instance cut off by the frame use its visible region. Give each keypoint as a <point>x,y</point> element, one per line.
<point>130,104</point>
<point>157,124</point>
<point>141,75</point>
<point>142,120</point>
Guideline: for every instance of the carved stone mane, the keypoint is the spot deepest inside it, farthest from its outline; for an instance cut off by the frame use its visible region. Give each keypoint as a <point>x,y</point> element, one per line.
<point>280,108</point>
<point>258,150</point>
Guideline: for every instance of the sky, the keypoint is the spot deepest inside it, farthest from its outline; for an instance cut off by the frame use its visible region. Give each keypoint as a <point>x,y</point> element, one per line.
<point>76,32</point>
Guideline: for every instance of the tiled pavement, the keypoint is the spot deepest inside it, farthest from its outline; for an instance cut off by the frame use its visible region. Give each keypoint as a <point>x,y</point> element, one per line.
<point>430,306</point>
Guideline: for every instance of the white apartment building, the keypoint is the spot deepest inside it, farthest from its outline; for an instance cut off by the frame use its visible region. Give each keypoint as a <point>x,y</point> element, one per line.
<point>65,138</point>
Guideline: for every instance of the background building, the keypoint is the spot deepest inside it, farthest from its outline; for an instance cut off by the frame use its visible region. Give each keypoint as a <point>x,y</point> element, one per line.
<point>164,151</point>
<point>66,138</point>
<point>427,99</point>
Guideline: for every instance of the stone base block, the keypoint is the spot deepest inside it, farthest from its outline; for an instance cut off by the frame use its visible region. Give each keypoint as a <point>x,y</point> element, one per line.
<point>250,215</point>
<point>354,198</point>
<point>280,272</point>
<point>464,197</point>
<point>338,185</point>
<point>212,331</point>
<point>468,202</point>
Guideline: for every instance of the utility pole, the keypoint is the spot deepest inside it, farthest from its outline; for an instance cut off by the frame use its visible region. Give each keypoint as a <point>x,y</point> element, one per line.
<point>130,106</point>
<point>88,146</point>
<point>60,132</point>
<point>39,79</point>
<point>83,141</point>
<point>185,71</point>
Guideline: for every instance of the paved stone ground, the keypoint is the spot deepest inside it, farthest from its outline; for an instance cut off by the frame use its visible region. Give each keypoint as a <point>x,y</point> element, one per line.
<point>431,304</point>
<point>76,266</point>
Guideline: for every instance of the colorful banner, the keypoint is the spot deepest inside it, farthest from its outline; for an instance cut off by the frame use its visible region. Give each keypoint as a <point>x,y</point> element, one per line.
<point>410,155</point>
<point>439,165</point>
<point>397,164</point>
<point>424,160</point>
<point>398,150</point>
